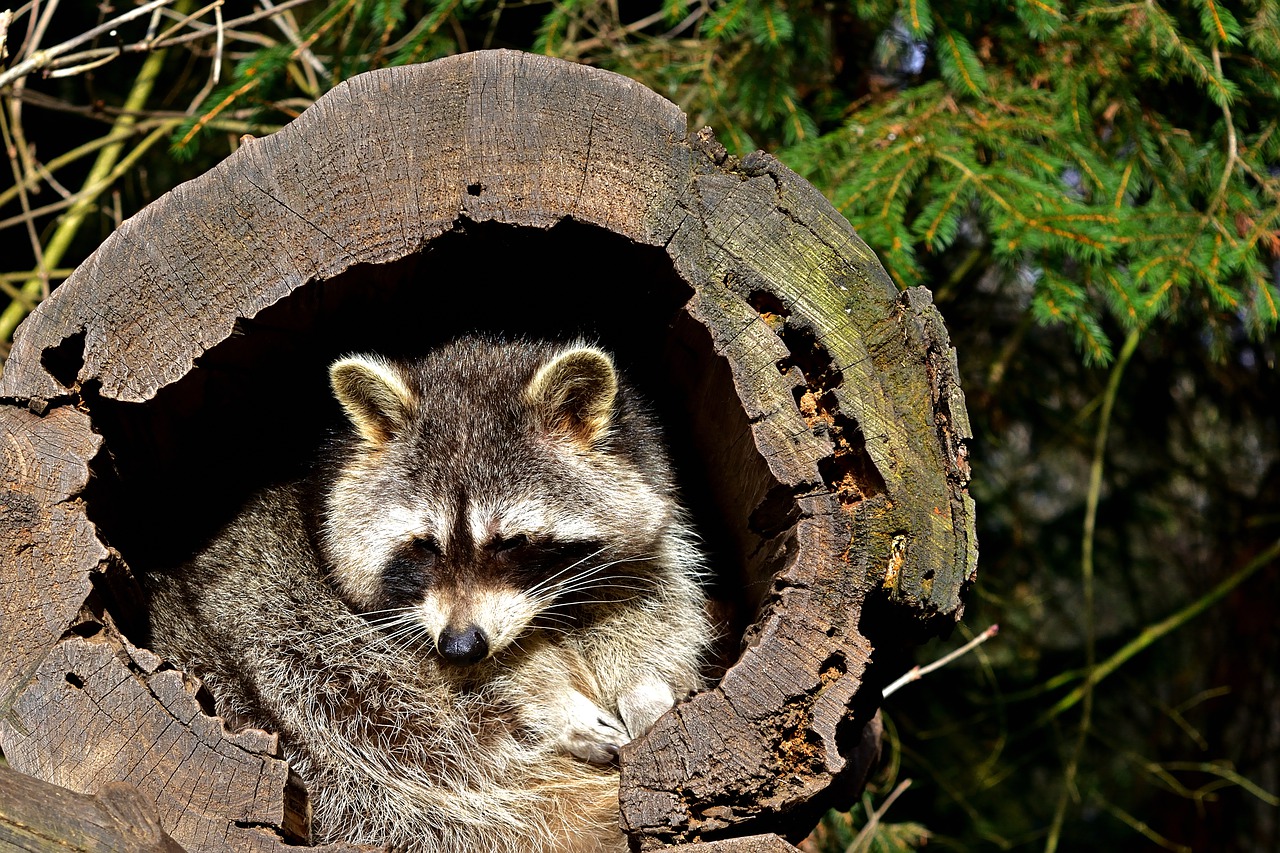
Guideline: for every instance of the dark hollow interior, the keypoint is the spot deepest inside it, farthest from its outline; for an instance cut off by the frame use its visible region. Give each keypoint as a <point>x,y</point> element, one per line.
<point>256,407</point>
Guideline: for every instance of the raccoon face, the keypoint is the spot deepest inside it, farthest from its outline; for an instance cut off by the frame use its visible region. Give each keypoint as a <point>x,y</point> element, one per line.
<point>491,489</point>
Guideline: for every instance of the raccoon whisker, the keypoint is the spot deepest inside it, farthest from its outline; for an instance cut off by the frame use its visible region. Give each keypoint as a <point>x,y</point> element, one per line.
<point>394,610</point>
<point>590,575</point>
<point>362,624</point>
<point>381,641</point>
<point>560,617</point>
<point>404,632</point>
<point>536,588</point>
<point>596,580</point>
<point>608,564</point>
<point>349,636</point>
<point>387,632</point>
<point>597,601</point>
<point>407,640</point>
<point>575,602</point>
<point>364,628</point>
<point>606,582</point>
<point>554,629</point>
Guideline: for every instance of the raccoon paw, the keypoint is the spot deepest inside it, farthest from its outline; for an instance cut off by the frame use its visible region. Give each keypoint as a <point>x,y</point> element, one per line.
<point>599,746</point>
<point>641,706</point>
<point>592,734</point>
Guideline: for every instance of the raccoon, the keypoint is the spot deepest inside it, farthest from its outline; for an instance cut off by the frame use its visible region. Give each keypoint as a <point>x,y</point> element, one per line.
<point>486,588</point>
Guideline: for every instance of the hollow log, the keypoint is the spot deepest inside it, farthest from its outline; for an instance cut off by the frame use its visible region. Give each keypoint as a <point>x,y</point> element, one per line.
<point>814,413</point>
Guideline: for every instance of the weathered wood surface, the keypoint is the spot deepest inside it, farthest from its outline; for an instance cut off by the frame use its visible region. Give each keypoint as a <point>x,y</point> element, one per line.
<point>39,817</point>
<point>826,407</point>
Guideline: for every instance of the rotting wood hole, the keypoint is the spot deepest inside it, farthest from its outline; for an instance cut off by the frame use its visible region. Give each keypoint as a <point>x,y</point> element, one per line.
<point>849,470</point>
<point>75,681</point>
<point>771,309</point>
<point>64,361</point>
<point>475,188</point>
<point>776,513</point>
<point>832,668</point>
<point>205,700</point>
<point>800,749</point>
<point>87,629</point>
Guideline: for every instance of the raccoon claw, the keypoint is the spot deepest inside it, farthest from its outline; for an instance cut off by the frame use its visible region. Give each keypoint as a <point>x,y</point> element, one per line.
<point>598,745</point>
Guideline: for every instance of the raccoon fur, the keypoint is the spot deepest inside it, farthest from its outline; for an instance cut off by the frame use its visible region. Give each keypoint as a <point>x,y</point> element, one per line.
<point>485,590</point>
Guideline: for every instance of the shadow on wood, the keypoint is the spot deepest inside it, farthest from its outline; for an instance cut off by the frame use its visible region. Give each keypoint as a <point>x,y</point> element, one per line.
<point>815,413</point>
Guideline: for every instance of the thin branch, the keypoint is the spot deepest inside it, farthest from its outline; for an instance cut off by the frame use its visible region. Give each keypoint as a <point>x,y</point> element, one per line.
<point>186,20</point>
<point>862,840</point>
<point>1086,571</point>
<point>41,58</point>
<point>918,672</point>
<point>1138,826</point>
<point>41,26</point>
<point>285,23</point>
<point>1220,195</point>
<point>202,31</point>
<point>1153,633</point>
<point>86,61</point>
<point>99,178</point>
<point>20,162</point>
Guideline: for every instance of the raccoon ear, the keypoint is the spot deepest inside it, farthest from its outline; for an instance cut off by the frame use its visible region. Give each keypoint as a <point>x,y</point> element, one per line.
<point>575,391</point>
<point>377,399</point>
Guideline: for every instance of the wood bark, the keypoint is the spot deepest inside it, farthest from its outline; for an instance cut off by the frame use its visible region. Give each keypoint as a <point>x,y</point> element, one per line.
<point>820,413</point>
<point>43,818</point>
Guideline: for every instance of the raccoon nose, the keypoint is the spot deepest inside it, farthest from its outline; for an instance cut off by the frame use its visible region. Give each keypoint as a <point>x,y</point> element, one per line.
<point>463,646</point>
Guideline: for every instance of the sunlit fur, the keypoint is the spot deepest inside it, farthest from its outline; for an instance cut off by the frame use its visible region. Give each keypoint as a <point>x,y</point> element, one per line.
<point>462,473</point>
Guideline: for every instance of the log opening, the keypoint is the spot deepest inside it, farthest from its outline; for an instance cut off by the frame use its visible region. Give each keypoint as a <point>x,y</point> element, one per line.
<point>256,407</point>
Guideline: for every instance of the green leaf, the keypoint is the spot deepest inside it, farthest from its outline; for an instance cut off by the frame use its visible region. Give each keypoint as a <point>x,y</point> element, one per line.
<point>939,222</point>
<point>726,21</point>
<point>959,64</point>
<point>1263,32</point>
<point>1059,300</point>
<point>917,17</point>
<point>771,26</point>
<point>1217,22</point>
<point>1041,17</point>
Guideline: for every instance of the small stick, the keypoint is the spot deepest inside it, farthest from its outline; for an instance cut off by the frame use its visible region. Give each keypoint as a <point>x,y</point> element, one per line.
<point>864,836</point>
<point>918,672</point>
<point>40,58</point>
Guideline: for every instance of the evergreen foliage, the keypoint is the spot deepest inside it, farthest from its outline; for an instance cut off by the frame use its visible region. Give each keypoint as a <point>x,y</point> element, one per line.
<point>1062,149</point>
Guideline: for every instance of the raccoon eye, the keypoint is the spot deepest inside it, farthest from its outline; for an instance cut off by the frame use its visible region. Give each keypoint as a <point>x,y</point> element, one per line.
<point>426,545</point>
<point>511,543</point>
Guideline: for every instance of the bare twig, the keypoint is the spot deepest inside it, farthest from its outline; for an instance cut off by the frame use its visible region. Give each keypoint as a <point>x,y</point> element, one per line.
<point>215,74</point>
<point>99,179</point>
<point>862,840</point>
<point>1152,633</point>
<point>20,162</point>
<point>41,25</point>
<point>86,61</point>
<point>918,672</point>
<point>1233,156</point>
<point>202,31</point>
<point>285,23</point>
<point>186,20</point>
<point>41,58</point>
<point>1086,571</point>
<point>1138,826</point>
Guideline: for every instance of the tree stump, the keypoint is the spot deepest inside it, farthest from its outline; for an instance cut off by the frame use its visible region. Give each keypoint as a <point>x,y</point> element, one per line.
<point>815,415</point>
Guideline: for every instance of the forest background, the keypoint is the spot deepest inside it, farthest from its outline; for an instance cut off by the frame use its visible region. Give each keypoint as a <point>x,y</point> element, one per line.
<point>1092,192</point>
